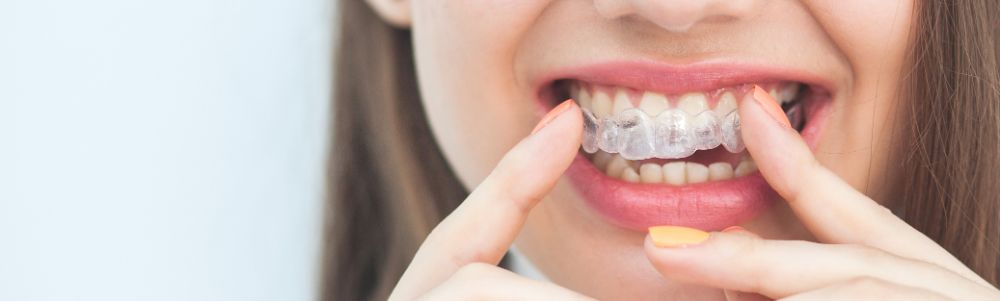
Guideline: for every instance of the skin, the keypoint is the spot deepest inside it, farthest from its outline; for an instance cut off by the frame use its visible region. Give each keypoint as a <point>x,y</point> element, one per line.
<point>477,61</point>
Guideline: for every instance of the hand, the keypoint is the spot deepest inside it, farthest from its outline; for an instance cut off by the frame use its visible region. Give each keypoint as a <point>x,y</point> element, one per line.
<point>458,259</point>
<point>865,252</point>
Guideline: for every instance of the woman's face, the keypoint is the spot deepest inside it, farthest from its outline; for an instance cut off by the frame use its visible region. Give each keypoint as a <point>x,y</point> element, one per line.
<point>489,69</point>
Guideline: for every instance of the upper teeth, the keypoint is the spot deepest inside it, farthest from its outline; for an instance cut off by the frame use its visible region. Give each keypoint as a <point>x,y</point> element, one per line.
<point>606,100</point>
<point>663,126</point>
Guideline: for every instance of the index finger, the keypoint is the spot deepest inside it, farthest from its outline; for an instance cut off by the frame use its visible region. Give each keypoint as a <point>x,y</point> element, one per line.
<point>829,207</point>
<point>483,227</point>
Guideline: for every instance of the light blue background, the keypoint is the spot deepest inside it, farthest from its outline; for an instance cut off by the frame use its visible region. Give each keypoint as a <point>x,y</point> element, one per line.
<point>162,150</point>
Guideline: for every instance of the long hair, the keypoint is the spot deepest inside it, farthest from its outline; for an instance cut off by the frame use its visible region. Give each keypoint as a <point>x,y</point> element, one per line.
<point>389,184</point>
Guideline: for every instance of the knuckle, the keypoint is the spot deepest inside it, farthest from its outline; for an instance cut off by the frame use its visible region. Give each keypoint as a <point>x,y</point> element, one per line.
<point>869,288</point>
<point>866,283</point>
<point>469,259</point>
<point>863,255</point>
<point>473,270</point>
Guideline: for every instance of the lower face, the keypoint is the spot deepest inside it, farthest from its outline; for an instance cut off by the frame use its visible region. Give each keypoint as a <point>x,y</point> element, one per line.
<point>488,71</point>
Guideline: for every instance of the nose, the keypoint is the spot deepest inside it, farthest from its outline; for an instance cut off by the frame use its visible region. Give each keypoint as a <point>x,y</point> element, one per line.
<point>677,15</point>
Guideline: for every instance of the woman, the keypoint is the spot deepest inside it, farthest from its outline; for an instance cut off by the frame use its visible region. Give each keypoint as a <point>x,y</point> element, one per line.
<point>821,116</point>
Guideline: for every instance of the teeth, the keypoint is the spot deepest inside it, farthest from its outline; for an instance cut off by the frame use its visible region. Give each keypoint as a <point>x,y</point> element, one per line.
<point>672,140</point>
<point>719,171</point>
<point>775,94</point>
<point>616,166</point>
<point>696,173</point>
<point>601,104</point>
<point>746,167</point>
<point>590,126</point>
<point>581,95</point>
<point>726,104</point>
<point>622,102</point>
<point>676,173</point>
<point>651,173</point>
<point>629,175</point>
<point>653,103</point>
<point>731,133</point>
<point>693,103</point>
<point>636,134</point>
<point>788,93</point>
<point>706,131</point>
<point>601,160</point>
<point>661,126</point>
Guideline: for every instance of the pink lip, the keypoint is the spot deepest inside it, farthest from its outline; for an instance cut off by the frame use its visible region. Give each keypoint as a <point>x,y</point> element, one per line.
<point>707,206</point>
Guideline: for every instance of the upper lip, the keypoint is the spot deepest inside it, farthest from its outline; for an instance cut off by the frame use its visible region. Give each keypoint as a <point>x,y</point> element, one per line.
<point>675,79</point>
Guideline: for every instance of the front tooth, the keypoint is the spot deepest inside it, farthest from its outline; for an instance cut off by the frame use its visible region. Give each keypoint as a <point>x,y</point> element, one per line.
<point>696,172</point>
<point>673,135</point>
<point>726,104</point>
<point>637,136</point>
<point>629,175</point>
<point>693,103</point>
<point>622,102</point>
<point>653,103</point>
<point>609,134</point>
<point>651,173</point>
<point>673,173</point>
<point>746,167</point>
<point>616,166</point>
<point>705,131</point>
<point>601,160</point>
<point>601,103</point>
<point>788,93</point>
<point>719,171</point>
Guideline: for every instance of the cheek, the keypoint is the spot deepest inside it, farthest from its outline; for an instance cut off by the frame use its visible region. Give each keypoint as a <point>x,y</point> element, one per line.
<point>873,37</point>
<point>465,53</point>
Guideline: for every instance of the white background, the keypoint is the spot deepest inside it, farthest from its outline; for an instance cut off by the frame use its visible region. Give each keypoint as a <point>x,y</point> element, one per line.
<point>162,150</point>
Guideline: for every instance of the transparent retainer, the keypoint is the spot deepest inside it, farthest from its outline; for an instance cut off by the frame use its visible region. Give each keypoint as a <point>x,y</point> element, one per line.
<point>672,134</point>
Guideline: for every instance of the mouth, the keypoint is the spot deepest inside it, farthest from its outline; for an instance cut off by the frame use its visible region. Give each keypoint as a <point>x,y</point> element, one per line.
<point>662,146</point>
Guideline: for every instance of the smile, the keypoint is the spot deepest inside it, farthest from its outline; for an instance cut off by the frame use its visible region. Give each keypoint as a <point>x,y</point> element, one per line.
<point>663,146</point>
<point>627,130</point>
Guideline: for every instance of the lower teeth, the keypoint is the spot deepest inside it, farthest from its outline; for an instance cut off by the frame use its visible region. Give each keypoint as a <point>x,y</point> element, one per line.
<point>672,173</point>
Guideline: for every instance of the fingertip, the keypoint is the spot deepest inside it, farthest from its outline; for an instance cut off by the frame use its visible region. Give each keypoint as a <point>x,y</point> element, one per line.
<point>778,150</point>
<point>690,263</point>
<point>557,111</point>
<point>530,169</point>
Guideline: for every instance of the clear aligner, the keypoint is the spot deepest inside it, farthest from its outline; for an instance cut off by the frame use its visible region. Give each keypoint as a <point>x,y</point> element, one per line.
<point>670,135</point>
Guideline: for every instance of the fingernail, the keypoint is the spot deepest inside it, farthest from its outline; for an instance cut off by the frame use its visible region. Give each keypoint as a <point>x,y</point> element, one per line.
<point>676,236</point>
<point>770,106</point>
<point>552,115</point>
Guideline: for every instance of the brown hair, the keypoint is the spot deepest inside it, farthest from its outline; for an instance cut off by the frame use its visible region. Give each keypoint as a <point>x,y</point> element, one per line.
<point>948,177</point>
<point>389,184</point>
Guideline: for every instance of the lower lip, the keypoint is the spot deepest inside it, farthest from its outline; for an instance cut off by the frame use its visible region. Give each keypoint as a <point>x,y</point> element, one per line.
<point>708,206</point>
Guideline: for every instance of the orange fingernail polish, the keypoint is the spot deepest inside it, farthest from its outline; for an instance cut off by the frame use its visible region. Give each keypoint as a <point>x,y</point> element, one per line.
<point>552,115</point>
<point>676,236</point>
<point>770,106</point>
